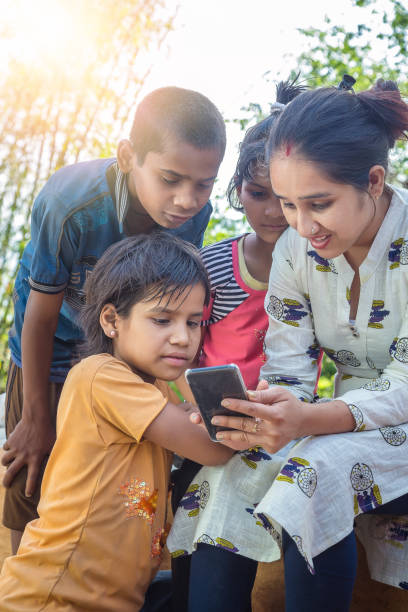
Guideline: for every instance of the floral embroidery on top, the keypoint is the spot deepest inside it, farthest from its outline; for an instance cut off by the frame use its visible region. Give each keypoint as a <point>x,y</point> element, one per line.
<point>263,521</point>
<point>377,314</point>
<point>377,384</point>
<point>370,363</point>
<point>140,501</point>
<point>260,337</point>
<point>226,544</point>
<point>205,539</point>
<point>344,357</point>
<point>308,303</point>
<point>181,552</point>
<point>367,496</point>
<point>323,265</point>
<point>392,530</point>
<point>285,381</point>
<point>393,435</point>
<point>399,349</point>
<point>158,542</point>
<point>358,417</point>
<point>298,468</point>
<point>288,311</point>
<point>252,456</point>
<point>398,253</point>
<point>313,351</point>
<point>195,497</point>
<point>299,543</point>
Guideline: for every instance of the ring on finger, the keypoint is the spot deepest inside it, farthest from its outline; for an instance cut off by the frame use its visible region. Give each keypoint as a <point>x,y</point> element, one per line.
<point>257,425</point>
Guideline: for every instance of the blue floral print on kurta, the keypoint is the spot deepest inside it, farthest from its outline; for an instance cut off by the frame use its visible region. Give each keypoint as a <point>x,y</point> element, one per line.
<point>191,500</point>
<point>398,253</point>
<point>263,521</point>
<point>292,469</point>
<point>285,381</point>
<point>367,496</point>
<point>313,351</point>
<point>399,349</point>
<point>286,310</point>
<point>377,314</point>
<point>226,545</point>
<point>252,456</point>
<point>344,357</point>
<point>323,265</point>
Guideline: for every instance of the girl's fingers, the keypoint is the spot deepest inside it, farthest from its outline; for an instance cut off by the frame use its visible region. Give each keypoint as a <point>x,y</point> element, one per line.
<point>262,385</point>
<point>7,457</point>
<point>240,423</point>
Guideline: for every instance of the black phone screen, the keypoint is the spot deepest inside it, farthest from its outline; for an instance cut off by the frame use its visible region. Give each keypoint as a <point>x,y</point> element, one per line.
<point>210,386</point>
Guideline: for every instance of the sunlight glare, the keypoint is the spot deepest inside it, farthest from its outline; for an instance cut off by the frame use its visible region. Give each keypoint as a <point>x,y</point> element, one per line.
<point>45,32</point>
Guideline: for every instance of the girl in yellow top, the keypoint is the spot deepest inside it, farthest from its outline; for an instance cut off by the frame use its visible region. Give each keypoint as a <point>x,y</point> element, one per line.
<point>97,542</point>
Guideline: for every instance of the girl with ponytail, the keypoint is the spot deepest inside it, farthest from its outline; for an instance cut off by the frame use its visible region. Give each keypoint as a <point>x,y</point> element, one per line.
<point>339,282</point>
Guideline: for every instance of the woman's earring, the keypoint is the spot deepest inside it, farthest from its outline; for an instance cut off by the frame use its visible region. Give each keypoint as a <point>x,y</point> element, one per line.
<point>113,333</point>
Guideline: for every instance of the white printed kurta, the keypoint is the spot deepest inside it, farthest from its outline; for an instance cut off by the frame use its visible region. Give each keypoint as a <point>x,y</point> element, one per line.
<point>325,482</point>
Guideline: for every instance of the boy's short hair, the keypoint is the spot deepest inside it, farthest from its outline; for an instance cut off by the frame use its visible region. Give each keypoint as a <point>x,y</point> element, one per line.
<point>181,113</point>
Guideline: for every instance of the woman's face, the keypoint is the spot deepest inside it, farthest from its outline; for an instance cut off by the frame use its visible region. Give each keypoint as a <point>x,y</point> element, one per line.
<point>340,215</point>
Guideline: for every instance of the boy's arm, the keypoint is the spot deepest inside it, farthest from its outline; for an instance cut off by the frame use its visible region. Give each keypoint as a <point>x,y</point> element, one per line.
<point>172,429</point>
<point>34,435</point>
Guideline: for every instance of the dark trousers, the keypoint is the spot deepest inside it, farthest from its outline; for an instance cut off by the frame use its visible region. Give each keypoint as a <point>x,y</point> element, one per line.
<point>222,581</point>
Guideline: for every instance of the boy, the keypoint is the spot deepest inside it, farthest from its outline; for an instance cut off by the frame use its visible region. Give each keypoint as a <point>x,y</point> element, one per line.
<point>163,176</point>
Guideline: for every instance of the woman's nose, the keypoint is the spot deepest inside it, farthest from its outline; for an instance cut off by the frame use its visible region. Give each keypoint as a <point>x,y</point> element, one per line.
<point>304,224</point>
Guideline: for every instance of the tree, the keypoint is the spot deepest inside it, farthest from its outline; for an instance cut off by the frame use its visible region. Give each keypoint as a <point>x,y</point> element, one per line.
<point>377,47</point>
<point>66,100</point>
<point>380,31</point>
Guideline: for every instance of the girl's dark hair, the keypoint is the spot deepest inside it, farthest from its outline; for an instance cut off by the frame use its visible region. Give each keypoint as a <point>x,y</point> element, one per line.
<point>345,133</point>
<point>252,148</point>
<point>147,267</point>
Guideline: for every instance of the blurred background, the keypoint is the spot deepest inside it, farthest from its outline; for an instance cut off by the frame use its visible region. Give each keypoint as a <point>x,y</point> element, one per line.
<point>72,72</point>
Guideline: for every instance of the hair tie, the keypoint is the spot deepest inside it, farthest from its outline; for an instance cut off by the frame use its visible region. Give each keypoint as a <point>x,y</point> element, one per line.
<point>347,83</point>
<point>276,106</point>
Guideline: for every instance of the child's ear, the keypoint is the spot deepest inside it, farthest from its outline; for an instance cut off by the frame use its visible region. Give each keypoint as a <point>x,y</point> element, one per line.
<point>107,319</point>
<point>125,154</point>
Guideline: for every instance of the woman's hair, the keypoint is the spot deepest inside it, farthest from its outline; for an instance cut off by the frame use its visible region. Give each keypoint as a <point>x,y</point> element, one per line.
<point>147,267</point>
<point>251,157</point>
<point>345,133</point>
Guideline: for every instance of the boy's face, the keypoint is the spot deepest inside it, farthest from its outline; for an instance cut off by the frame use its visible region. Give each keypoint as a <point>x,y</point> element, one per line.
<point>173,186</point>
<point>161,339</point>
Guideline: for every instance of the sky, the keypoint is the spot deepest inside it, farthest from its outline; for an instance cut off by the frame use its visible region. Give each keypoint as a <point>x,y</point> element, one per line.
<point>234,51</point>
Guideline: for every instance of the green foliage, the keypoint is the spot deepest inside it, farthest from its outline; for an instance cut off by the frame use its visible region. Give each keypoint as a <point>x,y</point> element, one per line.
<point>325,387</point>
<point>65,106</point>
<point>221,227</point>
<point>381,32</point>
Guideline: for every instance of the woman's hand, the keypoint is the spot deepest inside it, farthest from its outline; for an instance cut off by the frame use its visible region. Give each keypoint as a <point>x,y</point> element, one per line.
<point>274,418</point>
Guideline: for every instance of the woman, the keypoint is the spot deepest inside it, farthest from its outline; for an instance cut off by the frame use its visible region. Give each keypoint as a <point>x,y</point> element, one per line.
<point>339,281</point>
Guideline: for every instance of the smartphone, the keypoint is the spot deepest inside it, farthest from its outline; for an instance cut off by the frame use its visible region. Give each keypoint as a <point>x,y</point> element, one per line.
<point>210,386</point>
